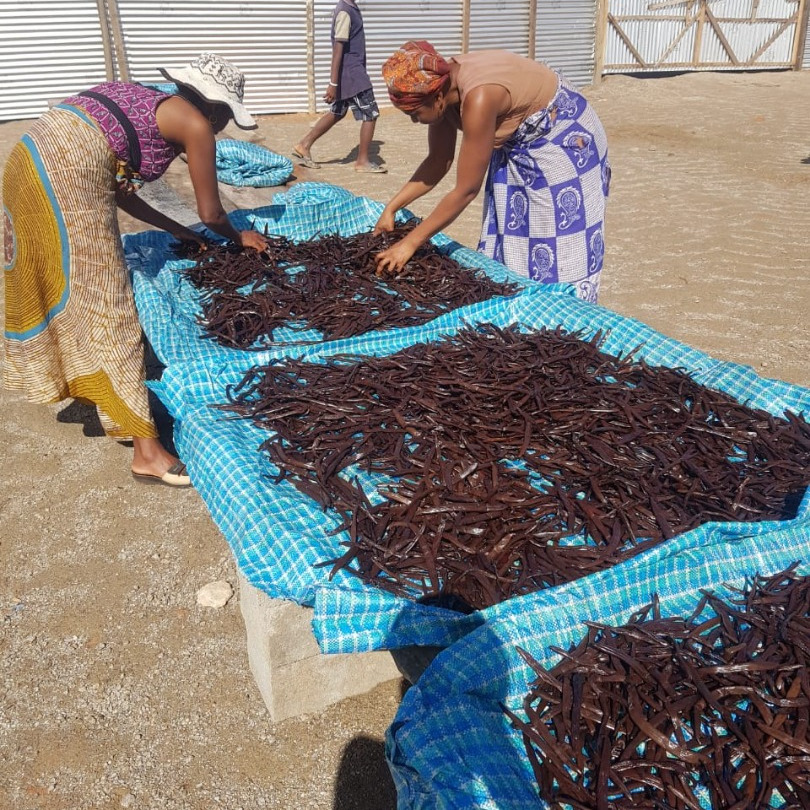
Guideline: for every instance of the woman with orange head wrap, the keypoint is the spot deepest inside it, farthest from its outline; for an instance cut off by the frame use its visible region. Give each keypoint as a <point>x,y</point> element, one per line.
<point>536,140</point>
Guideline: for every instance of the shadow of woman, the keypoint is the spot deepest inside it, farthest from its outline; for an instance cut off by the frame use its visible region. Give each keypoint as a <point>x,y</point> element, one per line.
<point>77,412</point>
<point>363,779</point>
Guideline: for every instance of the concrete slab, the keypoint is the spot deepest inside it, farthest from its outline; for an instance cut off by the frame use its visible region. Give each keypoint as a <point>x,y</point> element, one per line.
<point>292,674</point>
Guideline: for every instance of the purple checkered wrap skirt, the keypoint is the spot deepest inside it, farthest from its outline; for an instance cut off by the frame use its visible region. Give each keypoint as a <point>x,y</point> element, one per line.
<point>544,205</point>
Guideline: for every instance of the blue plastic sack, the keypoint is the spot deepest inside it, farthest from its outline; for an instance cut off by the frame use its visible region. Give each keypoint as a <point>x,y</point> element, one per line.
<point>241,163</point>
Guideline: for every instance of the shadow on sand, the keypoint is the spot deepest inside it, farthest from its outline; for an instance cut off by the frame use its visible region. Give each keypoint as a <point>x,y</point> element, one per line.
<point>363,779</point>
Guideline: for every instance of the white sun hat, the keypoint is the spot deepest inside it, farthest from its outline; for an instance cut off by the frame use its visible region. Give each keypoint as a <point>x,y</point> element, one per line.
<point>217,80</point>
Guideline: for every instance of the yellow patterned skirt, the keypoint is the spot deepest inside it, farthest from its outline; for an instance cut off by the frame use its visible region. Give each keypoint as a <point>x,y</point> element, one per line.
<point>71,327</point>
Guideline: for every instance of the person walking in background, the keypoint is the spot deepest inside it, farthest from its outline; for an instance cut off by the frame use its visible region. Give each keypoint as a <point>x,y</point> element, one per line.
<point>349,86</point>
<point>537,141</point>
<point>71,327</point>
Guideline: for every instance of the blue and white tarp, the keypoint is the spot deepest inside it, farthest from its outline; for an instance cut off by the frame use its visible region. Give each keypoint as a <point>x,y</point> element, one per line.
<point>242,163</point>
<point>279,537</point>
<point>451,744</point>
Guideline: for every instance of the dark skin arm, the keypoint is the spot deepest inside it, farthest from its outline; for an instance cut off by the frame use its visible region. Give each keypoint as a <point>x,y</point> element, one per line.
<point>181,123</point>
<point>136,207</point>
<point>479,121</point>
<point>334,74</point>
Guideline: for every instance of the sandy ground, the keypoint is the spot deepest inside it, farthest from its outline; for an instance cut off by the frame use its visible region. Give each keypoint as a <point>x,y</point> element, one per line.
<point>117,690</point>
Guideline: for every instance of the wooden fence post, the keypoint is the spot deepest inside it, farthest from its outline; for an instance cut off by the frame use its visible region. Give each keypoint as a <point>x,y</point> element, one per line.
<point>118,39</point>
<point>600,39</point>
<point>802,31</point>
<point>311,100</point>
<point>465,26</point>
<point>106,41</point>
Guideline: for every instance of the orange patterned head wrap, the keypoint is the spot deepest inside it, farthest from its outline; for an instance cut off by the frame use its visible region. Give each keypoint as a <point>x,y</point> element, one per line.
<point>413,73</point>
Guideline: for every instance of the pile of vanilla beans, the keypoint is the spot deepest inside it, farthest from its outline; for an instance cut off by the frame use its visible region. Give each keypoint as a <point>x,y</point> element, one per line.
<point>496,462</point>
<point>662,711</point>
<point>328,284</point>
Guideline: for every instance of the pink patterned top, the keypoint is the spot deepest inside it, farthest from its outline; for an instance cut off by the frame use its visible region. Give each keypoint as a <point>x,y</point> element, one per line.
<point>139,104</point>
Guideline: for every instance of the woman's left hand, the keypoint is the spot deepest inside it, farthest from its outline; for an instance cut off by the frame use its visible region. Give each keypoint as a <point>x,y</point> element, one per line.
<point>392,261</point>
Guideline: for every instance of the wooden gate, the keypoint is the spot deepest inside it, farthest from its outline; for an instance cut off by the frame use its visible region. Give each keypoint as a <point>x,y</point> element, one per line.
<point>672,35</point>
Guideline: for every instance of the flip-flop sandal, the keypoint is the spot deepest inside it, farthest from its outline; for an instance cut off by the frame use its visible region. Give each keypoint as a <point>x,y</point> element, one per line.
<point>305,161</point>
<point>175,476</point>
<point>373,168</point>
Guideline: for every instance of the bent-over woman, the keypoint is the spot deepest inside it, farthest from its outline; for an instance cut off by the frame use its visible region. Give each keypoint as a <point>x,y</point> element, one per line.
<point>71,327</point>
<point>536,140</point>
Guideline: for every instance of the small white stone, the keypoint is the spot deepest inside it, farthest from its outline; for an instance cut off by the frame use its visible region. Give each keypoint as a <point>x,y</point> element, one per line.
<point>215,594</point>
<point>127,800</point>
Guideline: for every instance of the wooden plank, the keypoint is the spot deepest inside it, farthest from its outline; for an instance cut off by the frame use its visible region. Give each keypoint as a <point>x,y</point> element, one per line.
<point>721,36</point>
<point>532,29</point>
<point>701,22</point>
<point>688,23</point>
<point>118,39</point>
<point>625,39</point>
<point>465,26</point>
<point>312,102</point>
<point>800,40</point>
<point>600,40</point>
<point>106,41</point>
<point>778,33</point>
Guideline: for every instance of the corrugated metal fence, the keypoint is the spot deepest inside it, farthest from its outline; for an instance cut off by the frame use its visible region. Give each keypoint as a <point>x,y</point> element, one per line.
<point>51,48</point>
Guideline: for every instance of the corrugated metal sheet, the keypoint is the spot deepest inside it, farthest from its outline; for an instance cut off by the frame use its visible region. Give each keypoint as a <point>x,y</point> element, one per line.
<point>388,24</point>
<point>500,24</point>
<point>264,38</point>
<point>48,50</point>
<point>566,32</point>
<point>806,61</point>
<point>665,35</point>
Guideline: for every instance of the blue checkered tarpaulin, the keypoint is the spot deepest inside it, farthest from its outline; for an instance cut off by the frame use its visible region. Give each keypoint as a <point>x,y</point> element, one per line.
<point>241,163</point>
<point>278,536</point>
<point>452,746</point>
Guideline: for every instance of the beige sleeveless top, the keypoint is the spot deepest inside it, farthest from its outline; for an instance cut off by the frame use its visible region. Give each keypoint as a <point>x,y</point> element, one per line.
<point>531,85</point>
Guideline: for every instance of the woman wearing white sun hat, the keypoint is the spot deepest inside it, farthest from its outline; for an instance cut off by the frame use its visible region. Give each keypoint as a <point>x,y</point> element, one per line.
<point>71,327</point>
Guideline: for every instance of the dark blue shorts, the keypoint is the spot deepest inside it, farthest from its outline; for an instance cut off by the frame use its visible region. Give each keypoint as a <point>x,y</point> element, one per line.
<point>363,106</point>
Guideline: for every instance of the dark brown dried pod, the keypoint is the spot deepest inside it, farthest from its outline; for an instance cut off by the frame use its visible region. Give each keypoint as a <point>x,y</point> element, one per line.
<point>669,713</point>
<point>328,284</point>
<point>512,461</point>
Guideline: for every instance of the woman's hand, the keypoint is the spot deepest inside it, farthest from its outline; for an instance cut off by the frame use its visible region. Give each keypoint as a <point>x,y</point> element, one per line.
<point>253,239</point>
<point>385,224</point>
<point>392,261</point>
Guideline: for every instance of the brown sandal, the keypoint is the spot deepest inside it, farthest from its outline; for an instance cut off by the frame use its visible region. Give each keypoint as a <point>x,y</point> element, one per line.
<point>175,476</point>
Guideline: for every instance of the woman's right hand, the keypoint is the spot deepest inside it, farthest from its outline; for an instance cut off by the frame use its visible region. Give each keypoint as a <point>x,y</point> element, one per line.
<point>253,239</point>
<point>385,224</point>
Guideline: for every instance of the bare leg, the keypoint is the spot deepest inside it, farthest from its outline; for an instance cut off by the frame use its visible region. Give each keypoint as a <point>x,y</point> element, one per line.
<point>151,457</point>
<point>366,134</point>
<point>321,127</point>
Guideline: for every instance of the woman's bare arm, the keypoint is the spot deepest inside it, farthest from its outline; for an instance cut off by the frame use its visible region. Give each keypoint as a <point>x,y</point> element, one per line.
<point>136,207</point>
<point>181,122</point>
<point>430,172</point>
<point>479,121</point>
